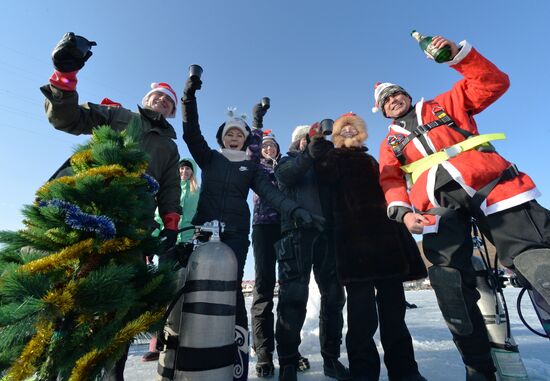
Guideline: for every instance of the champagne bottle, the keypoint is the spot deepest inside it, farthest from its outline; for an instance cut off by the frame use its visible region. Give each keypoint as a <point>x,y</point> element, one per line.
<point>439,55</point>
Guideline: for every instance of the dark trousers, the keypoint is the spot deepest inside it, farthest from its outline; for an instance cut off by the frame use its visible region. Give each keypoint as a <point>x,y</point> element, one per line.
<point>263,240</point>
<point>369,302</point>
<point>298,252</point>
<point>239,243</point>
<point>512,231</point>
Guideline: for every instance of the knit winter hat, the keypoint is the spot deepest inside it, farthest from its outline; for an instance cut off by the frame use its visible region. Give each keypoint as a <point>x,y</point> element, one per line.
<point>300,132</point>
<point>382,91</point>
<point>233,122</point>
<point>186,163</point>
<point>268,136</point>
<point>354,120</point>
<point>164,88</point>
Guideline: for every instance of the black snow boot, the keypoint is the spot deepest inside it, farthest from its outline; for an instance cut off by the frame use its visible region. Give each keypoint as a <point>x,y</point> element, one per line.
<point>303,364</point>
<point>264,365</point>
<point>335,369</point>
<point>288,373</point>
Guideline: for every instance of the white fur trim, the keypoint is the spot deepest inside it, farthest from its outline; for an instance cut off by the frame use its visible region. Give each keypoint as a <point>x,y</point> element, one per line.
<point>156,89</point>
<point>399,203</point>
<point>430,185</point>
<point>398,128</point>
<point>466,48</point>
<point>374,110</point>
<point>512,201</point>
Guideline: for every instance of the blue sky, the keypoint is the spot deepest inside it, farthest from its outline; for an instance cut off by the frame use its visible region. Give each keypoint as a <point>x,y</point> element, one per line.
<point>314,59</point>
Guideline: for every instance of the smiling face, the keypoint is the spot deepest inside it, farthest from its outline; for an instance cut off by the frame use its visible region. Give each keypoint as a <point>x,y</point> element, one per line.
<point>349,131</point>
<point>233,139</point>
<point>160,103</point>
<point>185,172</point>
<point>269,149</point>
<point>397,105</point>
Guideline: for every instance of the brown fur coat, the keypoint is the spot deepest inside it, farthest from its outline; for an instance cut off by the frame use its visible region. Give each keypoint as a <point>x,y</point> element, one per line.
<point>368,244</point>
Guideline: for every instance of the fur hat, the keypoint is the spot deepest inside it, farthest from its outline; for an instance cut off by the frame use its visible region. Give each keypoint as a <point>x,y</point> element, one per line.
<point>349,119</point>
<point>300,132</point>
<point>382,91</point>
<point>162,87</point>
<point>233,122</point>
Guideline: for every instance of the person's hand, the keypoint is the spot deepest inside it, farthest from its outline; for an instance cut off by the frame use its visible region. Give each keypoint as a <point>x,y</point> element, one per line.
<point>168,238</point>
<point>304,218</point>
<point>71,53</point>
<point>258,112</point>
<point>440,41</point>
<point>415,222</point>
<point>192,84</point>
<point>318,147</point>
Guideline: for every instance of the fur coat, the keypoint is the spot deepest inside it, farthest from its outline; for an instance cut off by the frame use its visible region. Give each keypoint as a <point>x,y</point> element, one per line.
<point>368,244</point>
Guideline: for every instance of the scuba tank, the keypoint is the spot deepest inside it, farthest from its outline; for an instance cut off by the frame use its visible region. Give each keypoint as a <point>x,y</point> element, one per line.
<point>489,283</point>
<point>200,342</point>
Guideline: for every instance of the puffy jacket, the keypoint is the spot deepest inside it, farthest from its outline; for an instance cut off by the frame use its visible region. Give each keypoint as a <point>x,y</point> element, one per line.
<point>264,213</point>
<point>225,184</point>
<point>297,179</point>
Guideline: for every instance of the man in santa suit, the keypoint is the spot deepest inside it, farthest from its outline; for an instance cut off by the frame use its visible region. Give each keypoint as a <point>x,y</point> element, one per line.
<point>438,172</point>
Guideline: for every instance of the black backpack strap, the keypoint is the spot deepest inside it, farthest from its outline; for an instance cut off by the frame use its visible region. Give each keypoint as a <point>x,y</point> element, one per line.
<point>442,119</point>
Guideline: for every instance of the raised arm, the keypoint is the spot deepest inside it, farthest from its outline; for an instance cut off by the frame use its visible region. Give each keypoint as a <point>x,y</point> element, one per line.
<point>197,145</point>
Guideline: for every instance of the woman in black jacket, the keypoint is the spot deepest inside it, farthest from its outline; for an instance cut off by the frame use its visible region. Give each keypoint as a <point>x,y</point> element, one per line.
<point>227,176</point>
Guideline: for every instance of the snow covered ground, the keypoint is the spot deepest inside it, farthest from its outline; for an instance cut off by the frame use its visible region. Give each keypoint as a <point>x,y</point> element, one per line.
<point>435,352</point>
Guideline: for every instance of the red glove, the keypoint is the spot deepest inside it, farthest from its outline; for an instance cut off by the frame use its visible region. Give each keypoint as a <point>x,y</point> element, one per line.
<point>314,130</point>
<point>64,81</point>
<point>171,220</point>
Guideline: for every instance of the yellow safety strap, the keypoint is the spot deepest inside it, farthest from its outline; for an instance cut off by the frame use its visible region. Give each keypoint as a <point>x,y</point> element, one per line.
<point>418,167</point>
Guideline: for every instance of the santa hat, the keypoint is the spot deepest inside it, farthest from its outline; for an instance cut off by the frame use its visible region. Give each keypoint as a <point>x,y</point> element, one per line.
<point>382,91</point>
<point>300,132</point>
<point>348,119</point>
<point>108,102</point>
<point>164,88</point>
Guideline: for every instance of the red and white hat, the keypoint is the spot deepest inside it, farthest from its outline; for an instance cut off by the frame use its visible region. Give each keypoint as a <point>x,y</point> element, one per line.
<point>162,87</point>
<point>109,102</point>
<point>382,90</point>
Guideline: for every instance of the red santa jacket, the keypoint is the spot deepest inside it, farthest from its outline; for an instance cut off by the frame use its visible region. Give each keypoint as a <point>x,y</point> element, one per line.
<point>483,83</point>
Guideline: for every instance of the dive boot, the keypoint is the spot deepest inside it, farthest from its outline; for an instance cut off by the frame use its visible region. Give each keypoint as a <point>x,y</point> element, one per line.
<point>534,266</point>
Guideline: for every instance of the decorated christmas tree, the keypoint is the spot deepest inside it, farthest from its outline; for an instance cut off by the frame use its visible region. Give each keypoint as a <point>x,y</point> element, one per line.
<point>75,288</point>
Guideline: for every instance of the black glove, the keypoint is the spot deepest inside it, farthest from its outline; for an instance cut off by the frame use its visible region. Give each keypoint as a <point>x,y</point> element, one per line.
<point>319,147</point>
<point>258,112</point>
<point>303,218</point>
<point>168,238</point>
<point>71,52</point>
<point>192,84</point>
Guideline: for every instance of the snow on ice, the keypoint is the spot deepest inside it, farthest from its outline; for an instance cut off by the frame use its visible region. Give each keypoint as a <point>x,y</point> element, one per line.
<point>435,352</point>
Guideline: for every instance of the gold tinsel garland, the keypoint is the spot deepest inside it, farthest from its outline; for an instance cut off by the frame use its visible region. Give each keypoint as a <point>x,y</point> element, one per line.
<point>24,366</point>
<point>108,171</point>
<point>90,360</point>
